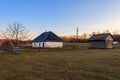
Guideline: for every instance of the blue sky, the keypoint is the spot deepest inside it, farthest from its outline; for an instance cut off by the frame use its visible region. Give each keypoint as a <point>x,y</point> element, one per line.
<point>61,16</point>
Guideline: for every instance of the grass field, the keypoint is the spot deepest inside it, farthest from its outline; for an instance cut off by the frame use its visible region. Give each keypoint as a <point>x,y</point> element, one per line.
<point>79,64</point>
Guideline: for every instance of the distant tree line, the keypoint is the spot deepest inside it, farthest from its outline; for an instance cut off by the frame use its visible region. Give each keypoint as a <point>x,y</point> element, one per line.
<point>14,34</point>
<point>84,38</point>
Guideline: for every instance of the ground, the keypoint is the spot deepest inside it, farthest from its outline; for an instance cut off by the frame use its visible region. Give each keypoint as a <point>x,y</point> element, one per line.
<point>78,64</point>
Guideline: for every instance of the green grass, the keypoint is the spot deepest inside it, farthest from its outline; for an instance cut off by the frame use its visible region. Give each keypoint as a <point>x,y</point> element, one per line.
<point>80,64</point>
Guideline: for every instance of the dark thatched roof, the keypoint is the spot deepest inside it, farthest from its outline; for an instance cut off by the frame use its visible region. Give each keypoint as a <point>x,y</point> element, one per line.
<point>47,36</point>
<point>99,37</point>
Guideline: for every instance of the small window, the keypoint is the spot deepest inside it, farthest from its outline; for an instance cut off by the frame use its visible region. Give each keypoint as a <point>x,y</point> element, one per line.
<point>39,44</point>
<point>34,44</point>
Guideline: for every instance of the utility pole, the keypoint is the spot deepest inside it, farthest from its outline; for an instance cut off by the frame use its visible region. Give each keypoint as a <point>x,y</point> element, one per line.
<point>77,34</point>
<point>77,38</point>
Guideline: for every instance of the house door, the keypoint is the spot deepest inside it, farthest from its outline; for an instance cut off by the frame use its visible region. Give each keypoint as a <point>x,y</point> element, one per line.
<point>43,44</point>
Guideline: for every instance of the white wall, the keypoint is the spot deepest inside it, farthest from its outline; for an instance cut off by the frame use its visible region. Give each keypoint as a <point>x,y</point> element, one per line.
<point>109,42</point>
<point>53,44</point>
<point>48,44</point>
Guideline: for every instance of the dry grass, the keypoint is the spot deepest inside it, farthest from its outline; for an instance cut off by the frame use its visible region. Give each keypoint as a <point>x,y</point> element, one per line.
<point>80,64</point>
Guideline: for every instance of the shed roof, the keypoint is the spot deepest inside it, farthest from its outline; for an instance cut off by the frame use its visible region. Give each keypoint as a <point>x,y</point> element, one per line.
<point>99,37</point>
<point>47,36</point>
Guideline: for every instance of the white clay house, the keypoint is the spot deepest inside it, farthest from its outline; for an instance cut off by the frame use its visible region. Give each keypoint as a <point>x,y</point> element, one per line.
<point>47,40</point>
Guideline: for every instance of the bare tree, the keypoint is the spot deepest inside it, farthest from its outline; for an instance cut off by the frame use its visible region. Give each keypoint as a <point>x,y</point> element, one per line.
<point>84,36</point>
<point>106,31</point>
<point>15,31</point>
<point>115,32</point>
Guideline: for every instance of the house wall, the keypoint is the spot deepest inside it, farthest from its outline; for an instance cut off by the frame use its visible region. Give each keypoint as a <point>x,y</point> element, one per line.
<point>109,42</point>
<point>53,44</point>
<point>98,44</point>
<point>48,44</point>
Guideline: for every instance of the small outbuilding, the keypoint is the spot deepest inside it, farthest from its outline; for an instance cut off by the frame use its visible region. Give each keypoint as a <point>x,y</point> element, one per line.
<point>101,41</point>
<point>47,40</point>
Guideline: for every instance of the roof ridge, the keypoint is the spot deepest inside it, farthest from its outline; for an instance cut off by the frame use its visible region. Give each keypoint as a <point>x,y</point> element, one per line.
<point>47,36</point>
<point>99,37</point>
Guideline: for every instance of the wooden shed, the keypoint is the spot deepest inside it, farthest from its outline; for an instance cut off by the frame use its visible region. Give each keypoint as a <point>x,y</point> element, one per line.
<point>101,41</point>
